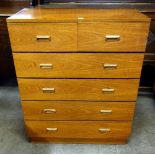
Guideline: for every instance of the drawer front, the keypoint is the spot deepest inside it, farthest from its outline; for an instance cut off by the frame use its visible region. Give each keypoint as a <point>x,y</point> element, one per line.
<point>78,89</point>
<point>112,37</point>
<point>73,65</point>
<point>43,37</point>
<point>75,110</point>
<point>78,129</point>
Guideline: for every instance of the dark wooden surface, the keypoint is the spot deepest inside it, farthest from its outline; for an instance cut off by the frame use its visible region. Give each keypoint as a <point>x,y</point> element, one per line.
<point>7,8</point>
<point>143,5</point>
<point>14,3</point>
<point>148,70</point>
<point>6,61</point>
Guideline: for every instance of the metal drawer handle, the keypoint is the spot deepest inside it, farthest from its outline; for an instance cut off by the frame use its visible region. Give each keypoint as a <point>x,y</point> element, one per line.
<point>49,111</point>
<point>104,130</point>
<point>110,66</point>
<point>43,37</point>
<point>46,66</point>
<point>106,111</point>
<point>108,90</point>
<point>48,90</point>
<point>52,129</point>
<point>112,37</point>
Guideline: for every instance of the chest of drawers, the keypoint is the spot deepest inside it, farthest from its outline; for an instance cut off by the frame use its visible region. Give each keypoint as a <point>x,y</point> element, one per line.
<point>78,72</point>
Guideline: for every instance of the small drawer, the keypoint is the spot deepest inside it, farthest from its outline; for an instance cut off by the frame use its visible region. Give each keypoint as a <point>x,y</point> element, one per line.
<point>81,65</point>
<point>107,130</point>
<point>79,89</point>
<point>112,37</point>
<point>43,37</point>
<point>69,110</point>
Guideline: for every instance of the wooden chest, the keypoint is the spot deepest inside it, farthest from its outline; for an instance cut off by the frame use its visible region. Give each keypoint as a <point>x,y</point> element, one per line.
<point>78,72</point>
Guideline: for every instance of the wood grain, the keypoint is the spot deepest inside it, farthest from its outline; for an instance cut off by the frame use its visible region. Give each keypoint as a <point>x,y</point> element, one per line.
<point>77,15</point>
<point>74,110</point>
<point>84,65</point>
<point>78,140</point>
<point>133,37</point>
<point>79,89</point>
<point>76,98</point>
<point>79,129</point>
<point>23,37</point>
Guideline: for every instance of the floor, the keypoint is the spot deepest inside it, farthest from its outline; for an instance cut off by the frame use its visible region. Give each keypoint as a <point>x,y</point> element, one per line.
<point>13,140</point>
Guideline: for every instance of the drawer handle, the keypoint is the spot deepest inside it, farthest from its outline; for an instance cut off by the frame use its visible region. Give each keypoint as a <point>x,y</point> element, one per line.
<point>112,37</point>
<point>108,90</point>
<point>46,66</point>
<point>106,111</point>
<point>43,37</point>
<point>52,129</point>
<point>48,90</point>
<point>49,111</point>
<point>110,66</point>
<point>104,130</point>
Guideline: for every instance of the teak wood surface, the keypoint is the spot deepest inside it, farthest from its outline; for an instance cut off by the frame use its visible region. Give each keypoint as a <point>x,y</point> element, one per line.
<point>67,93</point>
<point>92,37</point>
<point>62,37</point>
<point>82,37</point>
<point>78,65</point>
<point>78,140</point>
<point>79,89</point>
<point>79,129</point>
<point>84,30</point>
<point>77,15</point>
<point>75,110</point>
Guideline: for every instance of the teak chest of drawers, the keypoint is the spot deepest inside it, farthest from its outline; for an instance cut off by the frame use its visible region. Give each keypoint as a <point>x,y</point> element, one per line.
<point>78,72</point>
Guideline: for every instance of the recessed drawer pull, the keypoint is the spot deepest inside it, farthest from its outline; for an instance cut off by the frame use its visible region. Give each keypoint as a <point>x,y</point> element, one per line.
<point>48,90</point>
<point>106,111</point>
<point>112,37</point>
<point>46,66</point>
<point>49,111</point>
<point>104,130</point>
<point>110,66</point>
<point>108,90</point>
<point>43,37</point>
<point>52,129</point>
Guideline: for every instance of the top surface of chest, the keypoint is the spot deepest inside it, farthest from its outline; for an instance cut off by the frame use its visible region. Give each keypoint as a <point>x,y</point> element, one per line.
<point>78,15</point>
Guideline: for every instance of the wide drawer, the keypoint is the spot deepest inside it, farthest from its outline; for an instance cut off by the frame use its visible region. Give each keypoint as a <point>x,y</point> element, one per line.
<point>79,89</point>
<point>75,110</point>
<point>112,36</point>
<point>75,65</point>
<point>79,129</point>
<point>43,37</point>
